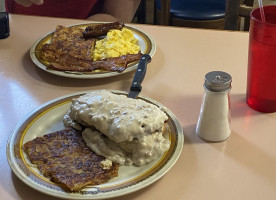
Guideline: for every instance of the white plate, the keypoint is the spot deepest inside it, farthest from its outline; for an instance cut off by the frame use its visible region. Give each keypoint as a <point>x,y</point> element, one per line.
<point>145,41</point>
<point>48,118</point>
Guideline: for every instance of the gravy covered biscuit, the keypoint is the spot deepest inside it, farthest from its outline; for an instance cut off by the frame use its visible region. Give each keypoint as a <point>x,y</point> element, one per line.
<point>124,130</point>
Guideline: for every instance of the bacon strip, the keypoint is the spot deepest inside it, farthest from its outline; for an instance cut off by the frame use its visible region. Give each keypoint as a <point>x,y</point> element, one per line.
<point>70,63</point>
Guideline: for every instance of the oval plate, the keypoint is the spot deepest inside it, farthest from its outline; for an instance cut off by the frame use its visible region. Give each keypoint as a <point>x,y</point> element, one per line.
<point>145,41</point>
<point>48,118</point>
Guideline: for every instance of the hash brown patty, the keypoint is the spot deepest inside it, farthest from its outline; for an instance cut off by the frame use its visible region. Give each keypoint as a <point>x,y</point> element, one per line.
<point>64,158</point>
<point>70,41</point>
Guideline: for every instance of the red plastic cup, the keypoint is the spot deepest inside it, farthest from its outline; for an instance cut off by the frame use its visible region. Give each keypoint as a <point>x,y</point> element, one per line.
<point>261,75</point>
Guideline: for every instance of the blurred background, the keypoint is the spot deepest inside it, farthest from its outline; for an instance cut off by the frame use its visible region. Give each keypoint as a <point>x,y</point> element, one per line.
<point>210,14</point>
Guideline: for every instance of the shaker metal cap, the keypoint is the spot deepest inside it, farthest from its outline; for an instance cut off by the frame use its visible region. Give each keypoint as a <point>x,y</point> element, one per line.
<point>217,81</point>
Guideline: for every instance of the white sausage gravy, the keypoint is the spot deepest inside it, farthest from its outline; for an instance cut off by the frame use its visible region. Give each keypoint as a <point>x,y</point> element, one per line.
<point>123,130</point>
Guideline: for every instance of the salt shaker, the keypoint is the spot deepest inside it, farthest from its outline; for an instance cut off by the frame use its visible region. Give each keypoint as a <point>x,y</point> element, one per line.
<point>214,118</point>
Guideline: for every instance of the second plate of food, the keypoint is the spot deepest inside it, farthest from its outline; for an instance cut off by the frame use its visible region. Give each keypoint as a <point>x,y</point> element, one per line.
<point>49,118</point>
<point>145,42</point>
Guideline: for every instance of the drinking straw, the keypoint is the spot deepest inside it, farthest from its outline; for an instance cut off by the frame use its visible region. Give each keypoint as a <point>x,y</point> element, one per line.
<point>261,10</point>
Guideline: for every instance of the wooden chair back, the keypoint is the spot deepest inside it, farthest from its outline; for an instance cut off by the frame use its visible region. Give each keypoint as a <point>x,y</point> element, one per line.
<point>234,11</point>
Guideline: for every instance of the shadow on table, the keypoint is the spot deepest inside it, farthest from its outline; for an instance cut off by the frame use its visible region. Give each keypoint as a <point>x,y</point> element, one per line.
<point>239,108</point>
<point>250,156</point>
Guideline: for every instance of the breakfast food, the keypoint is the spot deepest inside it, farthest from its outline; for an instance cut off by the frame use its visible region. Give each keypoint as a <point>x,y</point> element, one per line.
<point>116,64</point>
<point>124,130</point>
<point>64,157</point>
<point>98,30</point>
<point>104,130</point>
<point>69,50</point>
<point>116,43</point>
<point>67,41</point>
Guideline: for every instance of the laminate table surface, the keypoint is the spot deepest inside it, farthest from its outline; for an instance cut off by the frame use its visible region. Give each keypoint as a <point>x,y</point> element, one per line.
<point>242,167</point>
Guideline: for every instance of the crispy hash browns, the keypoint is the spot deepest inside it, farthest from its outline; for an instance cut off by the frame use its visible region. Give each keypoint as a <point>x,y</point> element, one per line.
<point>69,41</point>
<point>64,157</point>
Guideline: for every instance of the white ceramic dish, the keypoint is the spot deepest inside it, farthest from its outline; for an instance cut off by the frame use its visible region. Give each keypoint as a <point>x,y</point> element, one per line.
<point>145,41</point>
<point>48,118</point>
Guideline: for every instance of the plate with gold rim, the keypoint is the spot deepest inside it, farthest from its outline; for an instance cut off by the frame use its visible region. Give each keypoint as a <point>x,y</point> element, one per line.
<point>48,118</point>
<point>145,41</point>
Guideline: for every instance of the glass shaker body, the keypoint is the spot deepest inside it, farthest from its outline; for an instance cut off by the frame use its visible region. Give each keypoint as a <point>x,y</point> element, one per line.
<point>214,118</point>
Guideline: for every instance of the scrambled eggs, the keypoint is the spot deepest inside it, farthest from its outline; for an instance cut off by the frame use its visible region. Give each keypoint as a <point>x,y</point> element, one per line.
<point>116,44</point>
